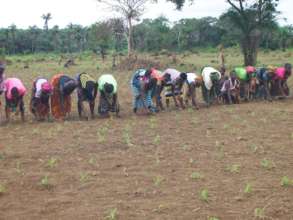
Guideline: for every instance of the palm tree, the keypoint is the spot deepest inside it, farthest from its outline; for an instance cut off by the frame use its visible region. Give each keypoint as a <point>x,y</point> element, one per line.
<point>46,18</point>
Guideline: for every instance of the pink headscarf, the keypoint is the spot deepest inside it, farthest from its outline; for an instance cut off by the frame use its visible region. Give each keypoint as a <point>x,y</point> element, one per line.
<point>46,87</point>
<point>250,69</point>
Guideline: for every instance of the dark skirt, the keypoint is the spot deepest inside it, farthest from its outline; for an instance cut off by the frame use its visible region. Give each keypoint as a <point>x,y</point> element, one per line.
<point>107,105</point>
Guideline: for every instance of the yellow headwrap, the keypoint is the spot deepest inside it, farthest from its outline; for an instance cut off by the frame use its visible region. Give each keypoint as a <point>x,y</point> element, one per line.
<point>271,69</point>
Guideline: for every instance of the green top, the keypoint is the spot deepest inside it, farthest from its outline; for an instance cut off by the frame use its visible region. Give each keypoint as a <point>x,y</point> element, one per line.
<point>107,78</point>
<point>241,73</point>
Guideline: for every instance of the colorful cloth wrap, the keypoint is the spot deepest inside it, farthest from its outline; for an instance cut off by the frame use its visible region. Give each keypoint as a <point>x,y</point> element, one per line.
<point>55,99</point>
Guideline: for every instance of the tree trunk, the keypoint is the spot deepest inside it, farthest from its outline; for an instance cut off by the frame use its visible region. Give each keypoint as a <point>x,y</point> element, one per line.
<point>103,54</point>
<point>178,40</point>
<point>250,44</point>
<point>221,56</point>
<point>129,37</point>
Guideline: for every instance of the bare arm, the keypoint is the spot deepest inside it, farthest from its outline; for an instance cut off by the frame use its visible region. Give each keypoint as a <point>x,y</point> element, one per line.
<point>192,91</point>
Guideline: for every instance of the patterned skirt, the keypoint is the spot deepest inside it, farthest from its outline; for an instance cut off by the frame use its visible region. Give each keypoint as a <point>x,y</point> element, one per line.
<point>139,102</point>
<point>39,107</point>
<point>56,108</point>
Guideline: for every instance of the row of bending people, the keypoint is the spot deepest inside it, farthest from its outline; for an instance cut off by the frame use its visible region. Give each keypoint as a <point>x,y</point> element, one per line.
<point>55,96</point>
<point>243,83</point>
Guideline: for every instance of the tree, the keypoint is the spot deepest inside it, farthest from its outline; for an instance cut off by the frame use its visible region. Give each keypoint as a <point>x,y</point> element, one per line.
<point>101,37</point>
<point>46,18</point>
<point>118,29</point>
<point>194,32</point>
<point>179,3</point>
<point>152,34</point>
<point>55,37</point>
<point>251,17</point>
<point>34,33</point>
<point>130,10</point>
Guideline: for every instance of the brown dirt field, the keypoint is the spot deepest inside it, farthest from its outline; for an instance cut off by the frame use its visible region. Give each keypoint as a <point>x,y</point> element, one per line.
<point>142,165</point>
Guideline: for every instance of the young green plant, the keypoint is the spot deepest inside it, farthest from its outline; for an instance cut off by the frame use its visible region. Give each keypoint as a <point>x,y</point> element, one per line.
<point>248,188</point>
<point>112,214</point>
<point>2,189</point>
<point>52,162</point>
<point>158,180</point>
<point>196,176</point>
<point>204,195</point>
<point>45,181</point>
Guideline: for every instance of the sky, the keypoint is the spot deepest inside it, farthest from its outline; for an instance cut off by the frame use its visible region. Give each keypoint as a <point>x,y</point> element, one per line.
<point>25,13</point>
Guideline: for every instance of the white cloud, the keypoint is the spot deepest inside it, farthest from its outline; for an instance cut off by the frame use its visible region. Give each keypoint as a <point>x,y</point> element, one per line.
<point>26,13</point>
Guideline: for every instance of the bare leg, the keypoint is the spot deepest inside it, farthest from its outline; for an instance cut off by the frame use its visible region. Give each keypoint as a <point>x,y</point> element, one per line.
<point>268,94</point>
<point>167,102</point>
<point>21,109</point>
<point>192,93</point>
<point>7,114</point>
<point>92,108</point>
<point>180,99</point>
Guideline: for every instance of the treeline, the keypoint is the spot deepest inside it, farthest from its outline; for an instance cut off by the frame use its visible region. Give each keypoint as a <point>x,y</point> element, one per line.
<point>150,35</point>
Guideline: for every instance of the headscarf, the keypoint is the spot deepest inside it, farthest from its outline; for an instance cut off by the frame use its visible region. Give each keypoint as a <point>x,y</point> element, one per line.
<point>271,69</point>
<point>46,87</point>
<point>250,69</point>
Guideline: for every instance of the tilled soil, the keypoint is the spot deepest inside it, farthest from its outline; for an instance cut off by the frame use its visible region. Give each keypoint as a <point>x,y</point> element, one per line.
<point>152,167</point>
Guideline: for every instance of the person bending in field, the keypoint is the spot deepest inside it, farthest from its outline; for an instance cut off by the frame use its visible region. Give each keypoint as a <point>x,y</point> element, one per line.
<point>173,81</point>
<point>40,98</point>
<point>280,80</point>
<point>230,89</point>
<point>157,78</point>
<point>2,79</point>
<point>108,102</point>
<point>63,86</point>
<point>193,81</point>
<point>219,85</point>
<point>265,78</point>
<point>211,78</point>
<point>247,78</point>
<point>252,81</point>
<point>142,85</point>
<point>87,88</point>
<point>14,93</point>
